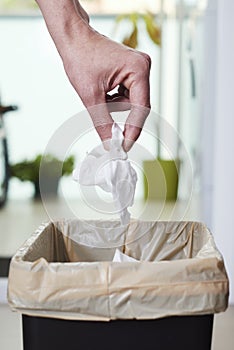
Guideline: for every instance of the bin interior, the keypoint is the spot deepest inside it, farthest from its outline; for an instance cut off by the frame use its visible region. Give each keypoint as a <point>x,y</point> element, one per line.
<point>148,241</point>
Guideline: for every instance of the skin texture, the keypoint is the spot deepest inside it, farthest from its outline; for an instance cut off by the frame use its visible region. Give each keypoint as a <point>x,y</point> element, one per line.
<point>95,65</point>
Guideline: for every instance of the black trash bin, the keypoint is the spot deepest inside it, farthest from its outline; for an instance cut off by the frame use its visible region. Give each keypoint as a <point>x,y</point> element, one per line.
<point>72,295</point>
<point>169,333</point>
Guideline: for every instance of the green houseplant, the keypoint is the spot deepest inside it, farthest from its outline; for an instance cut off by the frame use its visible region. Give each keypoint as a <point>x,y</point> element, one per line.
<point>45,170</point>
<point>160,175</point>
<point>152,28</point>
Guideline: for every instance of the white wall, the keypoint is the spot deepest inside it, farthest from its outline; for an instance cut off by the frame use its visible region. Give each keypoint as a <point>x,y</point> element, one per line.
<point>223,208</point>
<point>218,131</point>
<point>208,110</point>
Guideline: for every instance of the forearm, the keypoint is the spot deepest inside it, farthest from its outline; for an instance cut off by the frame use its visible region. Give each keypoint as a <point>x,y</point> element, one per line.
<point>66,21</point>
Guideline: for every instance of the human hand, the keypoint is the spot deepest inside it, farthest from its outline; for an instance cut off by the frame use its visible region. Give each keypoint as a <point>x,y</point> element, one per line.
<point>95,65</point>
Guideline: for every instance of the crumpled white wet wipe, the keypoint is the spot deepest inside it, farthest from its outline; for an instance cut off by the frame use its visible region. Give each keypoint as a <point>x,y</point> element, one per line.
<point>121,257</point>
<point>112,171</point>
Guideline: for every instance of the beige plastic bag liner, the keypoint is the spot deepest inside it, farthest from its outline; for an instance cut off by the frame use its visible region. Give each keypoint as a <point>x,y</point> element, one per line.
<point>60,273</point>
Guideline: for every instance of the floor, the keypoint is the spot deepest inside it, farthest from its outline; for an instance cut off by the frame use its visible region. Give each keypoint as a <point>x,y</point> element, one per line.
<point>21,217</point>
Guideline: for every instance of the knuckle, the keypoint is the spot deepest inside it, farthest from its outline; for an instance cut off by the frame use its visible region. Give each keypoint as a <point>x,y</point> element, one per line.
<point>146,61</point>
<point>143,63</point>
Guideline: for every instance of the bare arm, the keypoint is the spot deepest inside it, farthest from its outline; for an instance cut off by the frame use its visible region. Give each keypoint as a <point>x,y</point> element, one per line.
<point>95,65</point>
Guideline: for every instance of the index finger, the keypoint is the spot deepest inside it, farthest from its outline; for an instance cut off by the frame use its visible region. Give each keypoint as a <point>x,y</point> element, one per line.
<point>101,117</point>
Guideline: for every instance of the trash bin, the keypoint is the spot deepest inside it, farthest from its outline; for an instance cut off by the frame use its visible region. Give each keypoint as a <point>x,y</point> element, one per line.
<point>71,294</point>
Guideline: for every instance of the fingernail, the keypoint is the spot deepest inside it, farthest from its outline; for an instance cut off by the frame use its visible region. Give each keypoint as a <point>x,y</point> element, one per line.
<point>127,144</point>
<point>106,144</point>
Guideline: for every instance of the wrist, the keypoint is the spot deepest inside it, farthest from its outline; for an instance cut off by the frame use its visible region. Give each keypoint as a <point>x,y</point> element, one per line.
<point>66,21</point>
<point>72,32</point>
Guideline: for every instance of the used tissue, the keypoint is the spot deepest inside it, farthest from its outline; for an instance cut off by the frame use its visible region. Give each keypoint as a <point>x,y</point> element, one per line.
<point>112,171</point>
<point>121,257</point>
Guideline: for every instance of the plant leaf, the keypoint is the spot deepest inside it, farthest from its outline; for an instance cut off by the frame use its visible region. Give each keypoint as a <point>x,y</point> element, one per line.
<point>152,28</point>
<point>132,39</point>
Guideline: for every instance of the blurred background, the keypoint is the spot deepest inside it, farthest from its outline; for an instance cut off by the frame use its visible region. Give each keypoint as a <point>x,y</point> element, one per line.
<point>192,54</point>
<point>192,82</point>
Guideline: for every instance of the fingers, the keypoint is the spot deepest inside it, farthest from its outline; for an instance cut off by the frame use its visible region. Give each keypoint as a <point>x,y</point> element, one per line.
<point>100,115</point>
<point>132,75</point>
<point>139,96</point>
<point>134,125</point>
<point>131,134</point>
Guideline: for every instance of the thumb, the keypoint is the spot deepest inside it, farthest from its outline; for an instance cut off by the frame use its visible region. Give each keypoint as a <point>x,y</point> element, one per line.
<point>140,109</point>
